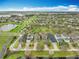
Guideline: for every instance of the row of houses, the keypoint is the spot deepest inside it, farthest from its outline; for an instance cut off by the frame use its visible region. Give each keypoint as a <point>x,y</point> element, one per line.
<point>53,38</point>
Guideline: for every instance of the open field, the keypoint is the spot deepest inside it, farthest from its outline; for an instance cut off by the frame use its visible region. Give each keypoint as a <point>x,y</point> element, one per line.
<point>4,37</point>
<point>54,54</point>
<point>42,54</point>
<point>15,55</point>
<point>64,54</point>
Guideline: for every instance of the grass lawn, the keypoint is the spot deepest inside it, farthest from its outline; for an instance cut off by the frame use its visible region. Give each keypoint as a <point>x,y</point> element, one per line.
<point>1,24</point>
<point>50,46</point>
<point>3,40</point>
<point>42,54</point>
<point>4,36</point>
<point>75,45</point>
<point>23,24</point>
<point>39,53</point>
<point>63,54</point>
<point>40,29</point>
<point>31,46</point>
<point>15,55</point>
<point>23,45</point>
<point>57,45</point>
<point>40,45</point>
<point>16,44</point>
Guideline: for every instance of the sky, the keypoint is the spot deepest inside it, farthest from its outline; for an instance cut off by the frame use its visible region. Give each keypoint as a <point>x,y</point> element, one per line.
<point>39,5</point>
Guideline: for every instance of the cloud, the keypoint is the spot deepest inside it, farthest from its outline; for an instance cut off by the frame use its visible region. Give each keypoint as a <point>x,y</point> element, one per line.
<point>73,8</point>
<point>55,8</point>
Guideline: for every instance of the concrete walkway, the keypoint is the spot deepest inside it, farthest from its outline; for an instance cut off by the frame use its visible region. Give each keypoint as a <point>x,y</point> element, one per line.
<point>46,47</point>
<point>35,45</point>
<point>55,46</point>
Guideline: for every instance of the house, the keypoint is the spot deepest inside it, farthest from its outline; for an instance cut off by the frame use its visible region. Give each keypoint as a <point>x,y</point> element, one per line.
<point>29,37</point>
<point>74,37</point>
<point>51,37</point>
<point>58,37</point>
<point>65,37</point>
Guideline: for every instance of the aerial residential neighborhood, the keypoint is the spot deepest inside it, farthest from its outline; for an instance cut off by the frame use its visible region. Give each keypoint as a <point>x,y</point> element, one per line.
<point>39,35</point>
<point>39,29</point>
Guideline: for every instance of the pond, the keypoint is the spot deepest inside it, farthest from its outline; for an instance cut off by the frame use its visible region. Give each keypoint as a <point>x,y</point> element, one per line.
<point>7,27</point>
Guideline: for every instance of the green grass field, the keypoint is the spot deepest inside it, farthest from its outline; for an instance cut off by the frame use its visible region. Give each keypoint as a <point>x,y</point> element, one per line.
<point>31,46</point>
<point>42,54</point>
<point>64,54</point>
<point>55,54</point>
<point>3,39</point>
<point>15,55</point>
<point>39,53</point>
<point>4,36</point>
<point>23,24</point>
<point>37,29</point>
<point>16,44</point>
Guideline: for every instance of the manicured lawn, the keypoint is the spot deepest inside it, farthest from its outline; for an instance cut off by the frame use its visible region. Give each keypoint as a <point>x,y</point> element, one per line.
<point>44,29</point>
<point>3,40</point>
<point>16,44</point>
<point>63,54</point>
<point>50,46</point>
<point>40,29</point>
<point>58,45</point>
<point>15,55</point>
<point>42,54</point>
<point>1,24</point>
<point>75,45</point>
<point>40,45</point>
<point>4,36</point>
<point>31,46</point>
<point>23,24</point>
<point>23,45</point>
<point>39,53</point>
